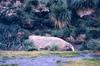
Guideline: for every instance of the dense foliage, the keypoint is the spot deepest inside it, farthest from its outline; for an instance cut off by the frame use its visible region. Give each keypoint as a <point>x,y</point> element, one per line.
<point>66,19</point>
<point>91,45</point>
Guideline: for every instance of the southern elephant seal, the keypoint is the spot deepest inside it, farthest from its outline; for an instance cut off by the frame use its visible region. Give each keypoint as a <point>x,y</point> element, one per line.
<point>42,42</point>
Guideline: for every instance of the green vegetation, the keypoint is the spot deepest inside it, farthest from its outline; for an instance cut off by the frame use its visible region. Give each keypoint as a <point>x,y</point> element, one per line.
<point>29,46</point>
<point>69,54</point>
<point>91,45</point>
<point>11,54</point>
<point>54,48</point>
<point>85,62</point>
<point>60,18</point>
<point>9,65</point>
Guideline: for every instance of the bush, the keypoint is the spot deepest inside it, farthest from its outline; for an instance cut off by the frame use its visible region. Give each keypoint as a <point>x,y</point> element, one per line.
<point>54,47</point>
<point>93,44</point>
<point>63,32</point>
<point>29,46</point>
<point>57,33</point>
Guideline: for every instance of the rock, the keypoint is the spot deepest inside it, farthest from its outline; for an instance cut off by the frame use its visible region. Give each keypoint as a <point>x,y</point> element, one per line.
<point>42,42</point>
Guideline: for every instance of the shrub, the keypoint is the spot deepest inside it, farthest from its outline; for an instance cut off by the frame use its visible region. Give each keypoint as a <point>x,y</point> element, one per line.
<point>54,47</point>
<point>29,46</point>
<point>57,33</point>
<point>63,32</point>
<point>93,44</point>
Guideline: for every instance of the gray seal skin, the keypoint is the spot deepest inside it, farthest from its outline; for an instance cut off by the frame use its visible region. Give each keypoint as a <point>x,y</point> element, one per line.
<point>42,42</point>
